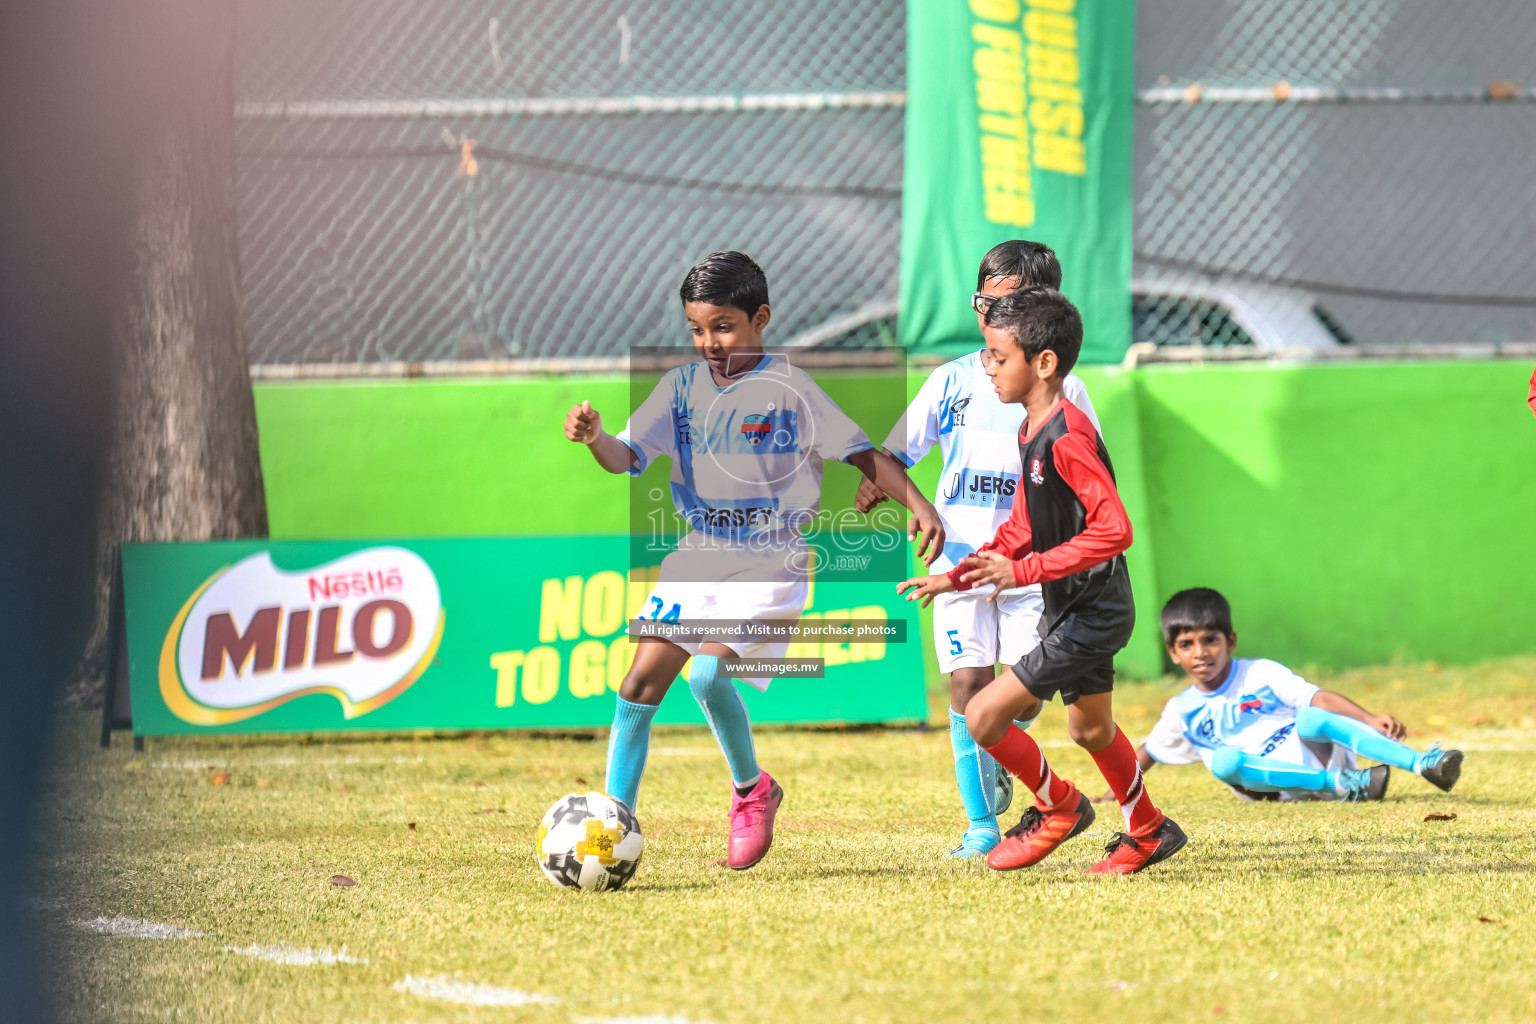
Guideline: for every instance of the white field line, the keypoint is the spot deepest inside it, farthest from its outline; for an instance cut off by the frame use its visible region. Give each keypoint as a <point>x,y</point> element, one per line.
<point>451,990</point>
<point>139,928</point>
<point>281,954</point>
<point>136,928</point>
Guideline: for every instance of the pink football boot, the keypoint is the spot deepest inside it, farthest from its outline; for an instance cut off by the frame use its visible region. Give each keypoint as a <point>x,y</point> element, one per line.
<point>752,823</point>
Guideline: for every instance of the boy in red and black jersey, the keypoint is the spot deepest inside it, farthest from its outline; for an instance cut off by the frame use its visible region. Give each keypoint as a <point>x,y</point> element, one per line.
<point>1069,534</point>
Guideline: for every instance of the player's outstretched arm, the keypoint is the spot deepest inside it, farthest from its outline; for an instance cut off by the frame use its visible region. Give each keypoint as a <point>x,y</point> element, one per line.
<point>584,425</point>
<point>889,475</point>
<point>925,588</point>
<point>1339,704</point>
<point>996,561</point>
<point>1108,529</point>
<point>868,495</point>
<point>986,567</point>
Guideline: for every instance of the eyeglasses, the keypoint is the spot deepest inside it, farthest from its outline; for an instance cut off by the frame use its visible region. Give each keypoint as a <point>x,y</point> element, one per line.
<point>982,302</point>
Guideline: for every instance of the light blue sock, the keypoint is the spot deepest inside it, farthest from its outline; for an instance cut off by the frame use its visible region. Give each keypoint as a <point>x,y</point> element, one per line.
<point>1321,726</point>
<point>628,744</point>
<point>1267,774</point>
<point>727,717</point>
<point>975,771</point>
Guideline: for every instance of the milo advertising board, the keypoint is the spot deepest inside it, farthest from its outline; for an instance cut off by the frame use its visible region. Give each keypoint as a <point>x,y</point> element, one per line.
<point>496,633</point>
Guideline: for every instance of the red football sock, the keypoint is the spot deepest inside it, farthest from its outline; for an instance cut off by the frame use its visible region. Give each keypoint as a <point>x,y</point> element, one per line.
<point>1022,756</point>
<point>1117,762</point>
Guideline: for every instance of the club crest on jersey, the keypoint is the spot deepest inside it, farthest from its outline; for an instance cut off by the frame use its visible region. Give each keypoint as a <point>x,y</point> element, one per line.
<point>755,428</point>
<point>1250,704</point>
<point>1036,476</point>
<point>957,410</point>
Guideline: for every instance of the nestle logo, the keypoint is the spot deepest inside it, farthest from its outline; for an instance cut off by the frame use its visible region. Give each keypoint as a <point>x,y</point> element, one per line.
<point>372,583</point>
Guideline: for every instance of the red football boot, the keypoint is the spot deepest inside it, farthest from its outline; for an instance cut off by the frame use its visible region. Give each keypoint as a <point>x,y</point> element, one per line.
<point>1129,854</point>
<point>1039,832</point>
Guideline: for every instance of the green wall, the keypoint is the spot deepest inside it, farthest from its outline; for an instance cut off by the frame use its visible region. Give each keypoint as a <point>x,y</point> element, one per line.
<point>1354,514</point>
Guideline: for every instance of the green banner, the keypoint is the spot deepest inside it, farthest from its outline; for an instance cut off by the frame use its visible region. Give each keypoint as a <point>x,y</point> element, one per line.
<point>1018,126</point>
<point>503,633</point>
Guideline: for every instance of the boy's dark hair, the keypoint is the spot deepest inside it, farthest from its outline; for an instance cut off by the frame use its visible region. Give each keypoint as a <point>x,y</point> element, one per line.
<point>1040,319</point>
<point>727,279</point>
<point>1195,610</point>
<point>1034,264</point>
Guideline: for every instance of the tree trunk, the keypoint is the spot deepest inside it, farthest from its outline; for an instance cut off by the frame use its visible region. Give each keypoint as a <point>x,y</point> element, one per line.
<point>184,461</point>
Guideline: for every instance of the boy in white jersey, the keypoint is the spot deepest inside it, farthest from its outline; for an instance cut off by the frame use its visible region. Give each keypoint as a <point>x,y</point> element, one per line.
<point>1267,732</point>
<point>957,408</point>
<point>747,434</point>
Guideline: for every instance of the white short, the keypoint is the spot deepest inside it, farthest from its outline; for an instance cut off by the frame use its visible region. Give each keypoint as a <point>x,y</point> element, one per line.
<point>971,632</point>
<point>751,588</point>
<point>1294,750</point>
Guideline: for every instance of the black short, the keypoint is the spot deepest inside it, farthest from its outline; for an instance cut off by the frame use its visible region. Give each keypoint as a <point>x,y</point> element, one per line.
<point>1071,661</point>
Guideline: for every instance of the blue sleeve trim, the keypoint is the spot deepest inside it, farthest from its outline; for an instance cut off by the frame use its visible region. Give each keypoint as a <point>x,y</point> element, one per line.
<point>640,460</point>
<point>865,447</point>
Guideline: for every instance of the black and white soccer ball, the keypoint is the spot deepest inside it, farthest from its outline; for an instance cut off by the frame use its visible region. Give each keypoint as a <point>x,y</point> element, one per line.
<point>589,841</point>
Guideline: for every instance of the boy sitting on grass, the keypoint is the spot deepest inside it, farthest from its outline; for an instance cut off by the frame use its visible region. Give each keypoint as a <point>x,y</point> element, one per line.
<point>1267,732</point>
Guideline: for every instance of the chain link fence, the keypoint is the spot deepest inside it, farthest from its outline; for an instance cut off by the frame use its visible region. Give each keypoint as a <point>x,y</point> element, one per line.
<point>1358,160</point>
<point>494,180</point>
<point>517,180</point>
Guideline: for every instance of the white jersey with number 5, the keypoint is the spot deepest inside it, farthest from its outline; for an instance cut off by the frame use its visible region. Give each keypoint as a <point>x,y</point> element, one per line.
<point>978,435</point>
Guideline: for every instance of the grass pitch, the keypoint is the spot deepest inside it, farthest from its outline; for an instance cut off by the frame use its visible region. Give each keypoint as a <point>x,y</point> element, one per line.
<point>1272,913</point>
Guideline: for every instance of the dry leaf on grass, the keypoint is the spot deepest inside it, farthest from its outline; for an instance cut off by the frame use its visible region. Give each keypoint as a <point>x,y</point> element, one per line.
<point>1486,920</point>
<point>221,779</point>
<point>477,784</point>
<point>341,789</point>
<point>580,781</point>
<point>411,825</point>
<point>262,783</point>
<point>1440,816</point>
<point>341,880</point>
<point>492,810</point>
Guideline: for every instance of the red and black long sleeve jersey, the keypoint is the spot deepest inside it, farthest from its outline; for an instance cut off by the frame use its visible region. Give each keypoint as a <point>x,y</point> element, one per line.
<point>1070,532</point>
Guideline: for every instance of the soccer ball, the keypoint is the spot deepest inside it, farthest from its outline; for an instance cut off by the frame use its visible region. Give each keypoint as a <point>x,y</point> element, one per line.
<point>589,841</point>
